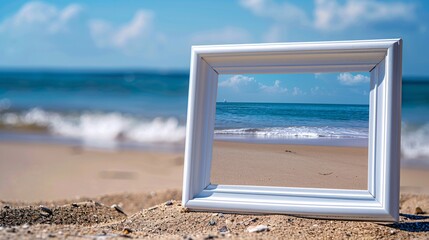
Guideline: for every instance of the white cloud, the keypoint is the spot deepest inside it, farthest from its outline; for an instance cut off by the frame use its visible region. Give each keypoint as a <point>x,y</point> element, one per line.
<point>285,12</point>
<point>249,84</point>
<point>297,91</point>
<point>284,15</point>
<point>329,15</point>
<point>275,88</point>
<point>317,75</point>
<point>106,35</point>
<point>39,16</point>
<point>237,81</point>
<point>350,79</point>
<point>225,35</point>
<point>138,26</point>
<point>314,90</point>
<point>274,34</point>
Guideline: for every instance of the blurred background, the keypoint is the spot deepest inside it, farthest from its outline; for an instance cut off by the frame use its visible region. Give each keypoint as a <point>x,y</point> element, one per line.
<point>113,75</point>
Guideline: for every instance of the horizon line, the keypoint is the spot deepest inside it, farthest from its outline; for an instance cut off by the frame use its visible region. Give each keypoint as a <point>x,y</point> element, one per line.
<point>301,103</point>
<point>143,69</point>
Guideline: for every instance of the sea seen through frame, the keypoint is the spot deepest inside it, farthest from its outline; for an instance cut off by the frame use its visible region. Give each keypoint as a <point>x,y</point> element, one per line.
<point>309,131</point>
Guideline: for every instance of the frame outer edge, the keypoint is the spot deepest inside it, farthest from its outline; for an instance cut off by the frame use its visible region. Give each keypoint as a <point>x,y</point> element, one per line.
<point>394,129</point>
<point>295,46</point>
<point>397,100</point>
<point>187,168</point>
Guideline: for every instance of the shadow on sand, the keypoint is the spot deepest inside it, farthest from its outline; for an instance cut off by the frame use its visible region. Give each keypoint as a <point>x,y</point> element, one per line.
<point>419,226</point>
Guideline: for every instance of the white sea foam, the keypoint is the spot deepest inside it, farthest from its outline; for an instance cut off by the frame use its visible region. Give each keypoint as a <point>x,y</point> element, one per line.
<point>297,132</point>
<point>100,127</point>
<point>415,142</point>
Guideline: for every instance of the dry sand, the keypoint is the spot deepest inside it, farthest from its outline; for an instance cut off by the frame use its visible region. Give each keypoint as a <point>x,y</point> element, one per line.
<point>168,220</point>
<point>33,175</point>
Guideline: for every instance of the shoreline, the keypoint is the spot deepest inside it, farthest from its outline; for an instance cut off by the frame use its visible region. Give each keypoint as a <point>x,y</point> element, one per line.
<point>29,137</point>
<point>321,141</point>
<point>48,139</point>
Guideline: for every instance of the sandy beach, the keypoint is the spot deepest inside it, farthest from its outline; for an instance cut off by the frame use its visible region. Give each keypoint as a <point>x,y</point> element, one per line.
<point>282,165</point>
<point>33,172</point>
<point>103,194</point>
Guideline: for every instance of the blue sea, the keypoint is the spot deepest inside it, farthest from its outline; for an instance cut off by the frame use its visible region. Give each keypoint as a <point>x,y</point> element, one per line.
<point>141,110</point>
<point>147,110</point>
<point>322,124</point>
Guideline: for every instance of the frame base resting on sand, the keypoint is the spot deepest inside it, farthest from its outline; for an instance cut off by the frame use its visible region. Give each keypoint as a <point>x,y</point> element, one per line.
<point>383,58</point>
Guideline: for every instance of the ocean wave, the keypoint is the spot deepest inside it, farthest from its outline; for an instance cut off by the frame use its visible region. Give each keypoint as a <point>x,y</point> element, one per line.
<point>415,142</point>
<point>297,132</point>
<point>98,126</point>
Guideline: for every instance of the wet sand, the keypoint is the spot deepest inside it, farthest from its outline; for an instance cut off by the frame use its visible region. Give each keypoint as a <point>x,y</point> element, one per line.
<point>286,165</point>
<point>33,172</point>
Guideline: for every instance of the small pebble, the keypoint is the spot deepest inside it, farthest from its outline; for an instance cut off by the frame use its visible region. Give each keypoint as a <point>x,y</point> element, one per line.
<point>6,207</point>
<point>223,229</point>
<point>45,211</point>
<point>127,231</point>
<point>117,208</point>
<point>419,210</point>
<point>25,226</point>
<point>220,214</point>
<point>11,230</point>
<point>75,205</point>
<point>258,228</point>
<point>169,203</point>
<point>152,208</point>
<point>212,222</point>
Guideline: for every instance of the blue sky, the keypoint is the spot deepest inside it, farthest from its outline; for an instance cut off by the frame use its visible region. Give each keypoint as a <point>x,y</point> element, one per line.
<point>158,34</point>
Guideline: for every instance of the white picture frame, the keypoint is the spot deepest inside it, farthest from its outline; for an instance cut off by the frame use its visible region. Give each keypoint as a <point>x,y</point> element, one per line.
<point>382,58</point>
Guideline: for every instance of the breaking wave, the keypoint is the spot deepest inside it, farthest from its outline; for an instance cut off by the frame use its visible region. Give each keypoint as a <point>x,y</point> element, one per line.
<point>297,132</point>
<point>97,126</point>
<point>415,142</point>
